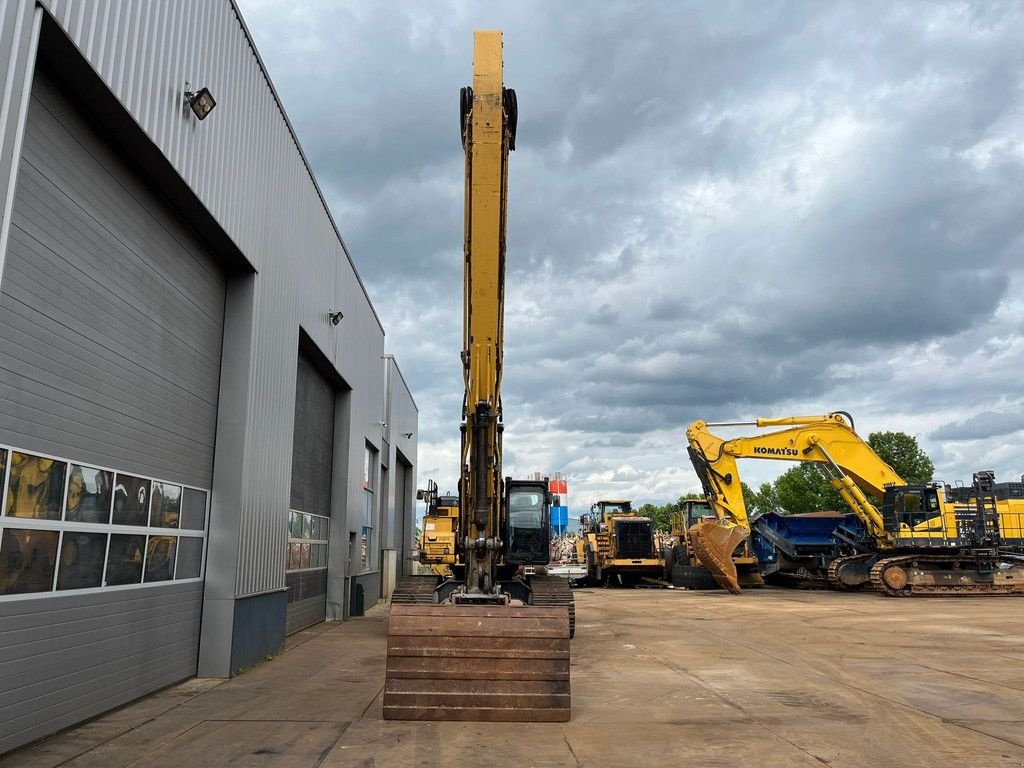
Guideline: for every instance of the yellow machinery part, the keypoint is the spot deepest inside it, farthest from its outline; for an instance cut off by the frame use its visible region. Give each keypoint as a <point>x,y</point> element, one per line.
<point>713,545</point>
<point>479,663</point>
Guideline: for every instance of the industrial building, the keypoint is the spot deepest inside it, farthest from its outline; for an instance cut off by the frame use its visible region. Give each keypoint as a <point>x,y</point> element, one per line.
<point>203,444</point>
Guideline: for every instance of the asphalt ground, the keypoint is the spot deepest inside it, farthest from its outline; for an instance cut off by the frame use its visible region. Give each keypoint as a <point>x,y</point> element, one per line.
<point>660,678</point>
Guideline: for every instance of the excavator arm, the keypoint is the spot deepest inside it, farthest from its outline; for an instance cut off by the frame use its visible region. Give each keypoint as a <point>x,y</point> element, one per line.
<point>487,136</point>
<point>852,466</point>
<point>491,643</point>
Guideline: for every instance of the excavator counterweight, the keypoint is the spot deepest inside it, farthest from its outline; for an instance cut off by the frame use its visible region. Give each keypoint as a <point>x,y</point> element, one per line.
<point>483,638</point>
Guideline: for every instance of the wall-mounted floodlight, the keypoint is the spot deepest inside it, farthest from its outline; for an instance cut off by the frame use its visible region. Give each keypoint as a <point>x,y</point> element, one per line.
<point>407,435</point>
<point>335,317</point>
<point>201,101</point>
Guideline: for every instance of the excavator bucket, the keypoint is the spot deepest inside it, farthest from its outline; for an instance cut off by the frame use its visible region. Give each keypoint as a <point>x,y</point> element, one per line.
<point>713,544</point>
<point>481,663</point>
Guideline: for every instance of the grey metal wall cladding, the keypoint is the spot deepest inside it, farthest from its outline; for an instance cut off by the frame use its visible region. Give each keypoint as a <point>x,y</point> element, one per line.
<point>111,310</point>
<point>313,445</point>
<point>70,657</point>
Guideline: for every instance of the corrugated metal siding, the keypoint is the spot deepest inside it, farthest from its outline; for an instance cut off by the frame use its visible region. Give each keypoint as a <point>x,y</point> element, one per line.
<point>111,310</point>
<point>19,33</point>
<point>77,656</point>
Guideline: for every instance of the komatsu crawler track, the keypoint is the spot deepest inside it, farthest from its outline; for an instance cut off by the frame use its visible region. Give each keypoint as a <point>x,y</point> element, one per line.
<point>836,577</point>
<point>945,576</point>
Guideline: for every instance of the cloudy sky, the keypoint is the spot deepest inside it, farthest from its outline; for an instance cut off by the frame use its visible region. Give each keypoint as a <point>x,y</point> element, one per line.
<point>716,210</point>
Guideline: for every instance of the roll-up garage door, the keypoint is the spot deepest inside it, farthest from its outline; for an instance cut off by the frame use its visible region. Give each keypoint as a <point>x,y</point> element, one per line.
<point>312,465</point>
<point>112,309</point>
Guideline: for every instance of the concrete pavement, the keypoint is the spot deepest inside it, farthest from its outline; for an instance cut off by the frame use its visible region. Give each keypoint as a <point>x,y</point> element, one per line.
<point>768,678</point>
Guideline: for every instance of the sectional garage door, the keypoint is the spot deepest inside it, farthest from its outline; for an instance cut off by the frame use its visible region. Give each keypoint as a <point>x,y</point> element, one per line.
<point>111,313</point>
<point>309,521</point>
<point>112,310</point>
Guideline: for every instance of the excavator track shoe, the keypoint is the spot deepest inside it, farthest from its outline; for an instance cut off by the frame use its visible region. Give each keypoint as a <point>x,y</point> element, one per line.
<point>465,662</point>
<point>713,544</point>
<point>415,589</point>
<point>554,591</point>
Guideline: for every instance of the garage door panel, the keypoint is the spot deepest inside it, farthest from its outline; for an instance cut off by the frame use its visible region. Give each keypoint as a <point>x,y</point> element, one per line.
<point>143,246</point>
<point>94,253</point>
<point>90,365</point>
<point>117,329</point>
<point>55,424</point>
<point>63,383</point>
<point>111,310</point>
<point>88,167</point>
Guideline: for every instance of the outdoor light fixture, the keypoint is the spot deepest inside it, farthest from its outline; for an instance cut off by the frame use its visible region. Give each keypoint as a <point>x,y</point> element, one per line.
<point>201,101</point>
<point>407,435</point>
<point>335,317</point>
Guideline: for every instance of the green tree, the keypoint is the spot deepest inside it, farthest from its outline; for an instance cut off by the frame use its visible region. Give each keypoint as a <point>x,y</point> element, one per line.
<point>659,515</point>
<point>764,499</point>
<point>901,452</point>
<point>804,488</point>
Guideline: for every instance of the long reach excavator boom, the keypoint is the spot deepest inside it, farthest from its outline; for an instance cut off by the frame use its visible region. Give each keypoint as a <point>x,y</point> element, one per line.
<point>918,541</point>
<point>490,641</point>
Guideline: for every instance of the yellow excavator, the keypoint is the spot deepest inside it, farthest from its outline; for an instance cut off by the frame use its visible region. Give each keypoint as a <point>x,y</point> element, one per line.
<point>490,643</point>
<point>918,540</point>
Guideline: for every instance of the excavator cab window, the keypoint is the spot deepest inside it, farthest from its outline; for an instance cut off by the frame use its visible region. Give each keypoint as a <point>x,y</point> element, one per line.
<point>529,533</point>
<point>913,508</point>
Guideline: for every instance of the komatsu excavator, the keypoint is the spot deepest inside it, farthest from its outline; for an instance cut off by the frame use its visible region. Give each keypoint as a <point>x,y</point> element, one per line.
<point>491,642</point>
<point>923,540</point>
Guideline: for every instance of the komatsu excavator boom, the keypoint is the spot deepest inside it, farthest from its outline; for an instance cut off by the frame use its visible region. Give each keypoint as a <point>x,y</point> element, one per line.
<point>490,642</point>
<point>918,541</point>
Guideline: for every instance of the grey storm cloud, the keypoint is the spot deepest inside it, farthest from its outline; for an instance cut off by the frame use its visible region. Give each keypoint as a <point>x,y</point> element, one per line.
<point>981,426</point>
<point>716,210</point>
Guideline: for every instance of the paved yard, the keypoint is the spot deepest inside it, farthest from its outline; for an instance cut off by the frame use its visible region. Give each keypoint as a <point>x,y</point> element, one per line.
<point>660,678</point>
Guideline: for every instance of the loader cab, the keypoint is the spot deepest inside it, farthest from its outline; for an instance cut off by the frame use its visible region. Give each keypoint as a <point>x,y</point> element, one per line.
<point>528,505</point>
<point>602,510</point>
<point>695,510</point>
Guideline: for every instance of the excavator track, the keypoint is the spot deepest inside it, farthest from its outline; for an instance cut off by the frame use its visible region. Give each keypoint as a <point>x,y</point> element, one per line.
<point>835,578</point>
<point>414,590</point>
<point>924,576</point>
<point>477,663</point>
<point>552,592</point>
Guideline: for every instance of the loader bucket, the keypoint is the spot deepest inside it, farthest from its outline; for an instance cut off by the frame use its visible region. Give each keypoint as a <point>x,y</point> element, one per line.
<point>713,544</point>
<point>481,663</point>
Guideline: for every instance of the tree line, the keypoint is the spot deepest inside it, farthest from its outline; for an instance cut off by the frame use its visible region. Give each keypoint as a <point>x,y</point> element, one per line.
<point>804,488</point>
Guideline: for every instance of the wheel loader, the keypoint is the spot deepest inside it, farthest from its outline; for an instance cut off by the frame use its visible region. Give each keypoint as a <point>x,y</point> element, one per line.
<point>618,546</point>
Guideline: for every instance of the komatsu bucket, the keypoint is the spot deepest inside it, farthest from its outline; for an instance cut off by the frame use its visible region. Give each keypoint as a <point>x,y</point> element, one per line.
<point>713,544</point>
<point>481,663</point>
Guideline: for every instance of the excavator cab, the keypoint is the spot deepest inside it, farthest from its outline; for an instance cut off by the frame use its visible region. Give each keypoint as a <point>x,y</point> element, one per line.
<point>911,507</point>
<point>529,522</point>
